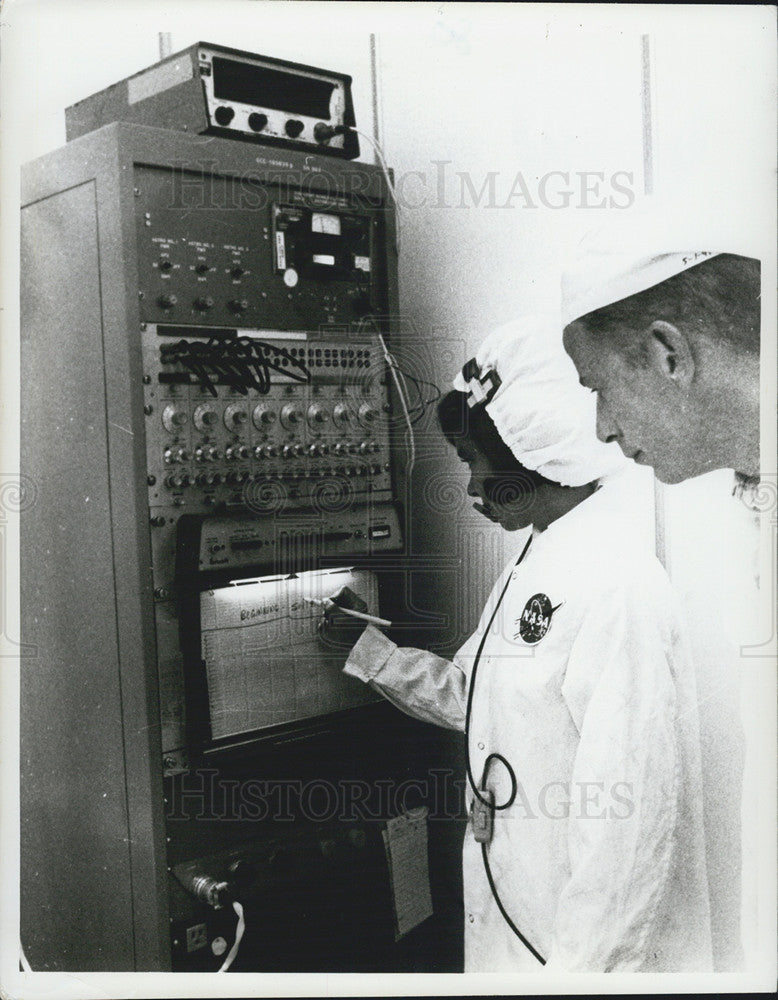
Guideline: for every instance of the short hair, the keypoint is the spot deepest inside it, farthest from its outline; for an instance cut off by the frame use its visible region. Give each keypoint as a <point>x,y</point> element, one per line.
<point>718,298</point>
<point>461,423</point>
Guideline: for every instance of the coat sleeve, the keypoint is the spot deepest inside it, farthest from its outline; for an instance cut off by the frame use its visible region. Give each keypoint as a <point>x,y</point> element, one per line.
<point>419,683</point>
<point>624,794</point>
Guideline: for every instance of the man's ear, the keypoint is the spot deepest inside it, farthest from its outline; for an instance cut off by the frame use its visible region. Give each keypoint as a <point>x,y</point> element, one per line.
<point>670,353</point>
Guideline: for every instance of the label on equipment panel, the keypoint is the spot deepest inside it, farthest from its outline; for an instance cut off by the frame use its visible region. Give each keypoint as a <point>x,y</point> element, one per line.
<point>280,251</point>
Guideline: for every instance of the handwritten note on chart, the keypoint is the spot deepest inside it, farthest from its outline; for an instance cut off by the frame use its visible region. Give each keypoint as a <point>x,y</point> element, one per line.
<point>405,841</point>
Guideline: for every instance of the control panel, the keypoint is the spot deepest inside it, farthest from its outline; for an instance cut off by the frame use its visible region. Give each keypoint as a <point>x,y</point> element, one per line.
<point>289,259</point>
<point>266,392</point>
<point>210,89</point>
<point>318,435</point>
<point>281,103</point>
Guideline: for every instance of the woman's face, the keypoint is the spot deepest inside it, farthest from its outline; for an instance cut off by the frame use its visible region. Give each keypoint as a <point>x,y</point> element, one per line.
<point>505,498</point>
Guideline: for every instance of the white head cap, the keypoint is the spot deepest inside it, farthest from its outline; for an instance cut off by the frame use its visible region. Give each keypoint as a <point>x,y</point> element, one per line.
<point>647,246</point>
<point>531,391</point>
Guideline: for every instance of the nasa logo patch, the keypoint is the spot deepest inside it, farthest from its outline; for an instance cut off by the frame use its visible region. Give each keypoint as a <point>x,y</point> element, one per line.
<point>535,619</point>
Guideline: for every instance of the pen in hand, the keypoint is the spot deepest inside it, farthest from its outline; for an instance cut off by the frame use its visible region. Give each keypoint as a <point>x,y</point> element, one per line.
<point>327,603</point>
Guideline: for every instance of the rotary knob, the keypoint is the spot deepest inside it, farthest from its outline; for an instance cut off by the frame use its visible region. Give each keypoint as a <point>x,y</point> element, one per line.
<point>206,479</point>
<point>167,301</point>
<point>341,414</point>
<point>270,451</point>
<point>175,482</point>
<point>317,415</point>
<point>340,448</point>
<point>205,416</point>
<point>238,305</point>
<point>236,478</point>
<point>244,452</point>
<point>367,414</point>
<point>182,455</point>
<point>235,416</point>
<point>204,303</point>
<point>291,415</point>
<point>173,418</point>
<point>263,417</point>
<point>224,115</point>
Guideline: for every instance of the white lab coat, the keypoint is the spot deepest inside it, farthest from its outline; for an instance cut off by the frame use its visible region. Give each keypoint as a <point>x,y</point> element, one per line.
<point>600,861</point>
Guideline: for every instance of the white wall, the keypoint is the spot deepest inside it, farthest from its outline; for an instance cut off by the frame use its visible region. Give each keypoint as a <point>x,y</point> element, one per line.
<point>714,141</point>
<point>515,94</point>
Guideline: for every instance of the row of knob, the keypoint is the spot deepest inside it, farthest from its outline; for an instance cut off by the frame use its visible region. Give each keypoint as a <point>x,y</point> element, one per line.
<point>204,303</point>
<point>165,264</point>
<point>181,480</point>
<point>292,416</point>
<point>257,122</point>
<point>242,452</point>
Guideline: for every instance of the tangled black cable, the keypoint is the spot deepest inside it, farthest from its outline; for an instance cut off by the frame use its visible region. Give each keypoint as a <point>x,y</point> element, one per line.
<point>242,363</point>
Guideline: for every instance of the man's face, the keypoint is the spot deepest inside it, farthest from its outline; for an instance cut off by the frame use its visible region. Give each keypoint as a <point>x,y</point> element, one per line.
<point>505,500</point>
<point>638,406</point>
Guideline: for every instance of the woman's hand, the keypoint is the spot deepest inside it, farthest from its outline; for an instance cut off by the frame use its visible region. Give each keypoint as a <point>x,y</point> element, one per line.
<point>338,629</point>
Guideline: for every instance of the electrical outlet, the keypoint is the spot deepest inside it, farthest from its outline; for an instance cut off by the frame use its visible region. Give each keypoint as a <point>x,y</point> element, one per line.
<point>196,937</point>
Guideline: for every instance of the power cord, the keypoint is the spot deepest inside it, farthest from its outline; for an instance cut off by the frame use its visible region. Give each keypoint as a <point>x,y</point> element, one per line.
<point>485,801</point>
<point>323,133</point>
<point>239,931</point>
<point>410,441</point>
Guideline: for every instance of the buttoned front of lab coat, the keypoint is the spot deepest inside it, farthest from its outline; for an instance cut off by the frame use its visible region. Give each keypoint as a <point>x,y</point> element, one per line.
<point>585,687</point>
